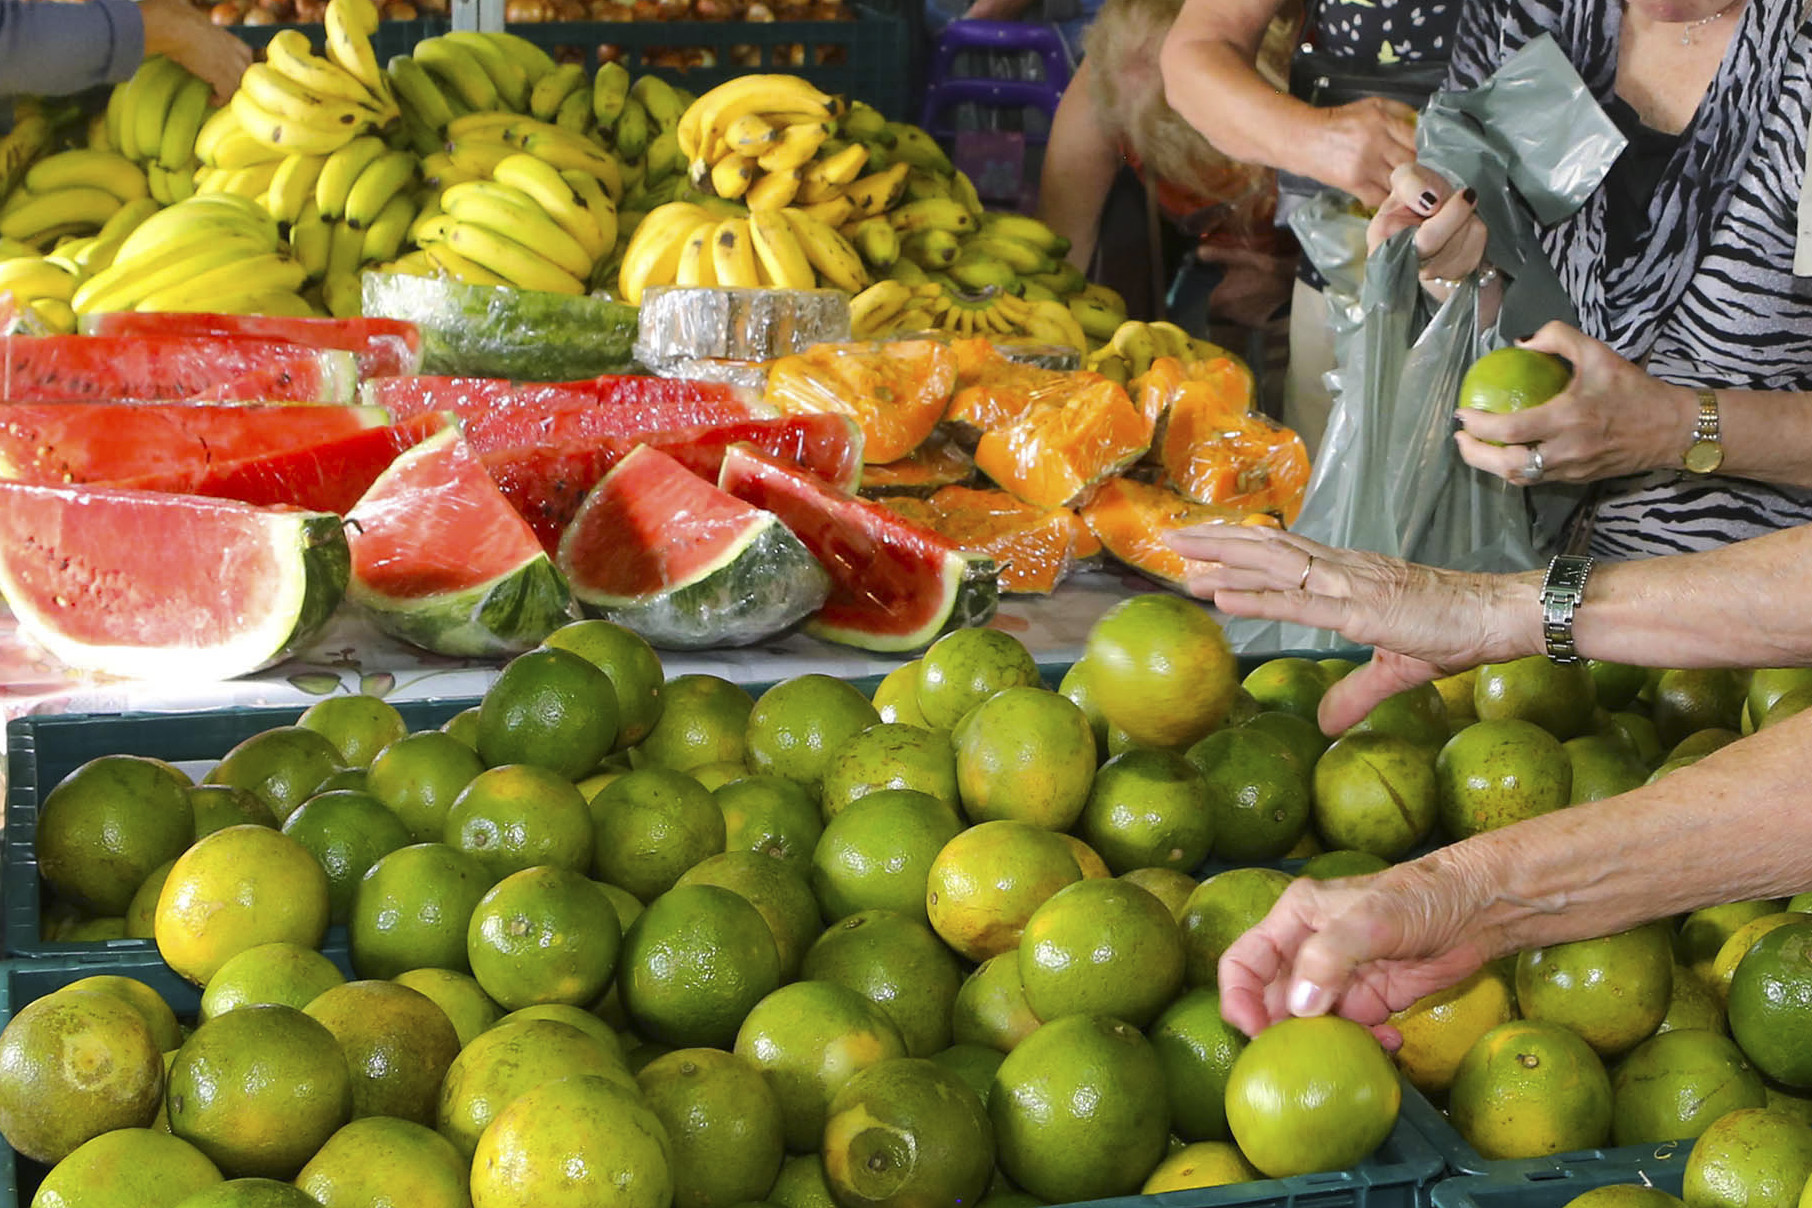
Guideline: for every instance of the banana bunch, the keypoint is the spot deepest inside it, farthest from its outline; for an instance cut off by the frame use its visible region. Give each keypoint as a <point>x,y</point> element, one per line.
<point>465,72</point>
<point>71,193</point>
<point>152,121</point>
<point>343,211</point>
<point>219,252</point>
<point>296,102</point>
<point>684,243</point>
<point>766,140</point>
<point>33,134</point>
<point>1134,345</point>
<point>892,307</point>
<point>528,222</point>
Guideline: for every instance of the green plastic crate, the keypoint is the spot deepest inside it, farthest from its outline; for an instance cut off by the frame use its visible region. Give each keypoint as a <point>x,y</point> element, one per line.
<point>392,37</point>
<point>1540,1185</point>
<point>1461,1158</point>
<point>874,65</point>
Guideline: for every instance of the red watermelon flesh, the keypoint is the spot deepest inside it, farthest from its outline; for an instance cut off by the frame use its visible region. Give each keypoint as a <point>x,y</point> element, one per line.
<point>93,442</point>
<point>53,369</point>
<point>894,585</point>
<point>473,397</point>
<point>384,347</point>
<point>547,484</point>
<point>327,477</point>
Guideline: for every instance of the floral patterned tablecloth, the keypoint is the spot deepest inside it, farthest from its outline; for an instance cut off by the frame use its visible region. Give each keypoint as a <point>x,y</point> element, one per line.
<point>351,656</point>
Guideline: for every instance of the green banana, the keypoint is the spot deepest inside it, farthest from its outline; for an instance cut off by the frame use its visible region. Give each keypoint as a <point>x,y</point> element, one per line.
<point>1024,259</point>
<point>609,92</point>
<point>552,89</point>
<point>632,130</point>
<point>913,146</point>
<point>662,103</point>
<point>419,94</point>
<point>877,241</point>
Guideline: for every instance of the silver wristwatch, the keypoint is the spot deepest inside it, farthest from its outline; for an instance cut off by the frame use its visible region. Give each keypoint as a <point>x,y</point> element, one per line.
<point>1561,592</point>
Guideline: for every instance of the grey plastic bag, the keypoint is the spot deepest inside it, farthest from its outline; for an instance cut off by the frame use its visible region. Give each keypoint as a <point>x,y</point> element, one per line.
<point>1388,477</point>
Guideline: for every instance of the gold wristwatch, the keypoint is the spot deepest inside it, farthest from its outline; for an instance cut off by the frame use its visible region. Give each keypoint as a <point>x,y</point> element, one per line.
<point>1706,453</point>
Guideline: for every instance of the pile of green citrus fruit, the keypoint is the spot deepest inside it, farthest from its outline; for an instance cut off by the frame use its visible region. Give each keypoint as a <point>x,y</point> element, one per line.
<point>619,938</point>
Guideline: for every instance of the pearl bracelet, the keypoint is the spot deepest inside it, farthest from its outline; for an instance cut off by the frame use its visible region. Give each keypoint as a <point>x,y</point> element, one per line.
<point>1487,275</point>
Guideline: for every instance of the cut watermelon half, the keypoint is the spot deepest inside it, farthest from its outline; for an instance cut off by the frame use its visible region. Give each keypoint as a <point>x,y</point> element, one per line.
<point>147,586</point>
<point>894,585</point>
<point>662,552</point>
<point>330,476</point>
<point>476,397</point>
<point>548,484</point>
<point>441,560</point>
<point>64,369</point>
<point>381,347</point>
<point>58,443</point>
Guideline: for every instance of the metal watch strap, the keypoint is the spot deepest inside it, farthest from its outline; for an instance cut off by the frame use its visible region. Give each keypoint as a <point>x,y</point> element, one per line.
<point>1561,592</point>
<point>1707,427</point>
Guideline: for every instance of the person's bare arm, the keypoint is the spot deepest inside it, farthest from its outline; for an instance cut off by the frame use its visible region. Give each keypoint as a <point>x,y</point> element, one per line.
<point>1080,163</point>
<point>181,31</point>
<point>1210,78</point>
<point>1733,826</point>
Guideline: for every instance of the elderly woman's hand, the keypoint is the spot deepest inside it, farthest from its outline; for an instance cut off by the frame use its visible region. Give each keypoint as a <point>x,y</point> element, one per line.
<point>1361,946</point>
<point>1425,622</point>
<point>183,32</point>
<point>1612,419</point>
<point>1450,237</point>
<point>1362,144</point>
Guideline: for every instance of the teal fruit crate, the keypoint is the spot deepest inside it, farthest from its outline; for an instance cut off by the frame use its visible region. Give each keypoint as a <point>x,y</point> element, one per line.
<point>1542,1185</point>
<point>864,59</point>
<point>41,751</point>
<point>1461,1158</point>
<point>392,37</point>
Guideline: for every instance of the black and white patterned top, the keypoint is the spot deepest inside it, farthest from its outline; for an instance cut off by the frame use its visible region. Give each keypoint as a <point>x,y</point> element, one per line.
<point>1383,31</point>
<point>1707,295</point>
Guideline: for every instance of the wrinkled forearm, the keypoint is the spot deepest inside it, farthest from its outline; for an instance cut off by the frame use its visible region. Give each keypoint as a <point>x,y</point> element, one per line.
<point>1735,825</point>
<point>1212,82</point>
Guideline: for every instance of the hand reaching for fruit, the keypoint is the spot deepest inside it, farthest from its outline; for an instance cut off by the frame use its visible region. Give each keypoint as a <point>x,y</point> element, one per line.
<point>182,33</point>
<point>1612,419</point>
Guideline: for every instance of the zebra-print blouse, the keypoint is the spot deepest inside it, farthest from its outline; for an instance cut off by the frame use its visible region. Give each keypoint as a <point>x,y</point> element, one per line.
<point>1709,297</point>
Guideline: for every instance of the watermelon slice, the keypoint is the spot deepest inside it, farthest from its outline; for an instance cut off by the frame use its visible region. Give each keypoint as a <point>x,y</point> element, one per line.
<point>148,586</point>
<point>894,585</point>
<point>382,347</point>
<point>440,558</point>
<point>56,443</point>
<point>472,397</point>
<point>63,369</point>
<point>327,477</point>
<point>660,551</point>
<point>547,485</point>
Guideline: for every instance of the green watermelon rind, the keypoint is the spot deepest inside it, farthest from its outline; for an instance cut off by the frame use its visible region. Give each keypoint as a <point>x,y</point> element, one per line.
<point>317,571</point>
<point>510,614</point>
<point>495,331</point>
<point>762,587</point>
<point>971,594</point>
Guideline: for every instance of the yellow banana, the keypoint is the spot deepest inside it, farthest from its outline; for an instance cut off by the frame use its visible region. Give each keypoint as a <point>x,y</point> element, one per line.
<point>543,185</point>
<point>282,135</point>
<point>535,63</point>
<point>833,213</point>
<point>293,185</point>
<point>653,253</point>
<point>207,290</point>
<point>574,115</point>
<point>878,192</point>
<point>342,170</point>
<point>45,214</point>
<point>153,90</point>
<point>731,176</point>
<point>777,251</point>
<point>457,70</point>
<point>492,124</point>
<point>506,74</point>
<point>512,213</point>
<point>963,189</point>
<point>106,170</point>
<point>930,249</point>
<point>431,228</point>
<point>798,143</point>
<point>384,236</point>
<point>218,125</point>
<point>253,183</point>
<point>817,192</point>
<point>566,152</point>
<point>977,272</point>
<point>342,295</point>
<point>695,266</point>
<point>1025,229</point>
<point>773,191</point>
<point>828,252</point>
<point>53,315</point>
<point>598,207</point>
<point>478,156</point>
<point>1025,259</point>
<point>282,97</point>
<point>609,90</point>
<point>189,223</point>
<point>111,116</point>
<point>865,122</point>
<point>913,146</point>
<point>876,305</point>
<point>876,241</point>
<point>344,248</point>
<point>289,54</point>
<point>733,254</point>
<point>751,134</point>
<point>416,90</point>
<point>384,179</point>
<point>29,278</point>
<point>552,89</point>
<point>439,170</point>
<point>722,105</point>
<point>310,240</point>
<point>841,168</point>
<point>176,148</point>
<point>522,266</point>
<point>460,268</point>
<point>350,24</point>
<point>122,287</point>
<point>126,220</point>
<point>939,213</point>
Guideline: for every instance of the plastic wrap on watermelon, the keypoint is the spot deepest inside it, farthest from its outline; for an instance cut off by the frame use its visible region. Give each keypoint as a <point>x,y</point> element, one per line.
<point>495,331</point>
<point>61,369</point>
<point>1245,462</point>
<point>661,551</point>
<point>1034,548</point>
<point>382,347</point>
<point>897,390</point>
<point>1058,451</point>
<point>728,335</point>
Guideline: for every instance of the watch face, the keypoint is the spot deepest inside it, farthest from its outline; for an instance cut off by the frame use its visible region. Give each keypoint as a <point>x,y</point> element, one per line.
<point>1705,456</point>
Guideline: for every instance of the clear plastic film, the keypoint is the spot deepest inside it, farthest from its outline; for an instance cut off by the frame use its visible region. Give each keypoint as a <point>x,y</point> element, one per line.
<point>938,462</point>
<point>382,347</point>
<point>1224,384</point>
<point>994,390</point>
<point>718,334</point>
<point>1534,143</point>
<point>493,331</point>
<point>1232,460</point>
<point>1021,350</point>
<point>897,390</point>
<point>1033,548</point>
<point>1131,518</point>
<point>68,369</point>
<point>1058,451</point>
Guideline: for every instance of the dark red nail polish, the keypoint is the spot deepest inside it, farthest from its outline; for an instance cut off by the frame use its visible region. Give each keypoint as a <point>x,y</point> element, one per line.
<point>1470,195</point>
<point>1429,200</point>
